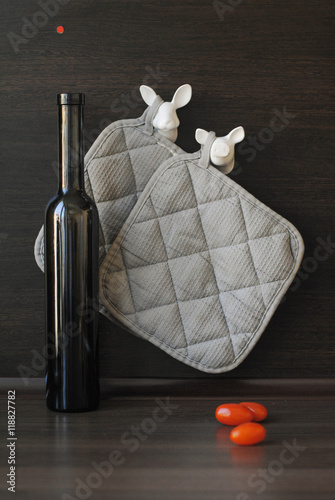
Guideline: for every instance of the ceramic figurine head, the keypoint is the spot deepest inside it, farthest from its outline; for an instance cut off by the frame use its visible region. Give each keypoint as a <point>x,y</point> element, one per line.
<point>222,152</point>
<point>166,121</point>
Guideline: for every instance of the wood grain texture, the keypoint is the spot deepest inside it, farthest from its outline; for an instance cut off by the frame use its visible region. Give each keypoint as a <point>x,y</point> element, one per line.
<point>261,57</point>
<point>186,456</point>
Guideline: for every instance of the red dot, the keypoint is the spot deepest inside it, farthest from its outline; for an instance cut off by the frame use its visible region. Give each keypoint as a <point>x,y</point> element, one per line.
<point>60,29</point>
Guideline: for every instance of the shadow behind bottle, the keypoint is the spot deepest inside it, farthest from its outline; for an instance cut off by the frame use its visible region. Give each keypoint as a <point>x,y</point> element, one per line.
<point>71,238</point>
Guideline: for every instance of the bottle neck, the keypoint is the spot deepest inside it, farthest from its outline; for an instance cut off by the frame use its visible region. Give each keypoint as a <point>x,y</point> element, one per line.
<point>71,160</point>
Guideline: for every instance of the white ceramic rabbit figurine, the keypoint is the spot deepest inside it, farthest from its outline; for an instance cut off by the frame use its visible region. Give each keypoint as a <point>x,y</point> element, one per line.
<point>223,148</point>
<point>166,121</point>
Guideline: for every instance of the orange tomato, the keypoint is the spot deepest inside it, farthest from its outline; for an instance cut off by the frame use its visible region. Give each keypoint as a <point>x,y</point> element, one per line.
<point>248,433</point>
<point>233,414</point>
<point>258,411</point>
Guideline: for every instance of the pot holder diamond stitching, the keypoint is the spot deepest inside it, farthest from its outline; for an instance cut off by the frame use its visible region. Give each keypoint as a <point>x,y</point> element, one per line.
<point>117,168</point>
<point>200,265</point>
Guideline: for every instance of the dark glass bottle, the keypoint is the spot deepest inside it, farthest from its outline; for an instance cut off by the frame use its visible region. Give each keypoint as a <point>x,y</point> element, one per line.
<point>71,239</point>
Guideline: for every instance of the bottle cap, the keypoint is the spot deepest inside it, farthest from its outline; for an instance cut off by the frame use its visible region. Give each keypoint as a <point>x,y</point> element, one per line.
<point>70,98</point>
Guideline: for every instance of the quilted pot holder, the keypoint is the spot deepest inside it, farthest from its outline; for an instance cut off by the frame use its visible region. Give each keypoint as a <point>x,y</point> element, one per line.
<point>200,265</point>
<point>118,166</point>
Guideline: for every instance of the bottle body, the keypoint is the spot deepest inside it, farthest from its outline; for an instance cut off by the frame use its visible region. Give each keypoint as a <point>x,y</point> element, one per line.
<point>71,242</point>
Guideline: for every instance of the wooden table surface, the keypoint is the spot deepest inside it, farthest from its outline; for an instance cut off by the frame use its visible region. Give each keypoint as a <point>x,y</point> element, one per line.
<point>180,452</point>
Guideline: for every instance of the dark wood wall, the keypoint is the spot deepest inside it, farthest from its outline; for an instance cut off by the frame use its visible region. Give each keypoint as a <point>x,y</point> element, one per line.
<point>247,61</point>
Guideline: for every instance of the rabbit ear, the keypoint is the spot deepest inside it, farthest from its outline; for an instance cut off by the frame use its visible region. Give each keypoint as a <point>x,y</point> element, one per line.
<point>201,135</point>
<point>237,135</point>
<point>148,94</point>
<point>182,96</point>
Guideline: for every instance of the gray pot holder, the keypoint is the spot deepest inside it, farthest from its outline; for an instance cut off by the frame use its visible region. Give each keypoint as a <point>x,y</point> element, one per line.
<point>117,168</point>
<point>200,265</point>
